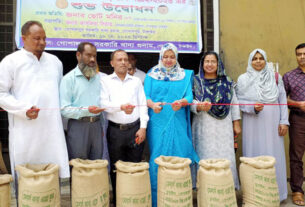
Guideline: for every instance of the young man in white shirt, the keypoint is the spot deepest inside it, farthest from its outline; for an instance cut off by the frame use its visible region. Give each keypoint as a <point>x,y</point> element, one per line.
<point>123,98</point>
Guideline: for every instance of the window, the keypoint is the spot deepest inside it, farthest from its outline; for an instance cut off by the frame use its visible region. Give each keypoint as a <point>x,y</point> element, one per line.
<point>7,45</point>
<point>7,19</point>
<point>207,25</point>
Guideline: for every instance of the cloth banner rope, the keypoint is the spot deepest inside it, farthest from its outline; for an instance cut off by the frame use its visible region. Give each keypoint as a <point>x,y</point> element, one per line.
<point>183,104</point>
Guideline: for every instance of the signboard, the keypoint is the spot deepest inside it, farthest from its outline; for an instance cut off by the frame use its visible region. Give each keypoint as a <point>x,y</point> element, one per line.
<point>132,25</point>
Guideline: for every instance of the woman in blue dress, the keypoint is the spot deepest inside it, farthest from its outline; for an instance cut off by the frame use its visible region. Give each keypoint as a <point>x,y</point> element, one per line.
<point>168,89</point>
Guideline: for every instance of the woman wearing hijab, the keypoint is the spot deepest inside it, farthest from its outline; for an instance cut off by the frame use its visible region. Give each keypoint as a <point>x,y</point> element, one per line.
<point>169,129</point>
<point>215,122</point>
<point>264,125</point>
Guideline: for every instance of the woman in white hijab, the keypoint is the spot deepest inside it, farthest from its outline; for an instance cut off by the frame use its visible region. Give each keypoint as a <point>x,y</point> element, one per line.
<point>265,123</point>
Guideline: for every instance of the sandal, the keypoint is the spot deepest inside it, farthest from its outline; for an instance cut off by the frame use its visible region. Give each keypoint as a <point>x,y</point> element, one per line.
<point>298,199</point>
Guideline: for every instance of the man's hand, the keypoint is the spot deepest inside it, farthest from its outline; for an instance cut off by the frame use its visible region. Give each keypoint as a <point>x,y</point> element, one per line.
<point>283,129</point>
<point>127,108</point>
<point>258,106</point>
<point>302,105</point>
<point>32,113</point>
<point>95,109</point>
<point>204,106</point>
<point>157,107</point>
<point>296,104</point>
<point>236,128</point>
<point>140,136</point>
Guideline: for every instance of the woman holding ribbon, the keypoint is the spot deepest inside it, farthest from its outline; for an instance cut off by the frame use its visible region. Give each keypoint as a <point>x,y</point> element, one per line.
<point>168,89</point>
<point>215,121</point>
<point>265,120</point>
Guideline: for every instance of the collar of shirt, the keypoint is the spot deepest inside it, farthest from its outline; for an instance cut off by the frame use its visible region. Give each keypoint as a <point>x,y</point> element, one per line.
<point>114,75</point>
<point>78,72</point>
<point>299,70</point>
<point>31,55</point>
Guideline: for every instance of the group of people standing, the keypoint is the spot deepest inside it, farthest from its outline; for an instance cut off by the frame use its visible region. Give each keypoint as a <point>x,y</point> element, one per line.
<point>261,94</point>
<point>35,95</point>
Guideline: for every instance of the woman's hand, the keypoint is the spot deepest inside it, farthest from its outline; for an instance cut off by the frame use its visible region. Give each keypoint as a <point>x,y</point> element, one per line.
<point>177,105</point>
<point>258,107</point>
<point>204,106</point>
<point>283,129</point>
<point>157,107</point>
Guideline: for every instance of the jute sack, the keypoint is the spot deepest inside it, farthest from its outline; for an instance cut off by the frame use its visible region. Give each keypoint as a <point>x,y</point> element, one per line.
<point>133,184</point>
<point>38,185</point>
<point>215,183</point>
<point>174,182</point>
<point>258,182</point>
<point>5,190</point>
<point>90,183</point>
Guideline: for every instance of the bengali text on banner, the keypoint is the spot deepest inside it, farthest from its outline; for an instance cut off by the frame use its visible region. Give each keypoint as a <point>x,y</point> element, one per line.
<point>132,25</point>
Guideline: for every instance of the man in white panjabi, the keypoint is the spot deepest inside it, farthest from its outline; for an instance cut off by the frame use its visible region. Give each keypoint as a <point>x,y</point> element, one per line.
<point>29,92</point>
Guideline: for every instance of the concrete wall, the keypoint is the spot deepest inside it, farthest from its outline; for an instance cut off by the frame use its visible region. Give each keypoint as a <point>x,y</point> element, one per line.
<point>276,26</point>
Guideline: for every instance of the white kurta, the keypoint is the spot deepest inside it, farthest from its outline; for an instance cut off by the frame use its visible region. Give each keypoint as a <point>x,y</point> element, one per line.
<point>261,136</point>
<point>26,81</point>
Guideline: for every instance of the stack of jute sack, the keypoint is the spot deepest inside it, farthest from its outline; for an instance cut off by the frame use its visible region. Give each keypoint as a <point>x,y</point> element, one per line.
<point>258,181</point>
<point>174,181</point>
<point>215,184</point>
<point>133,184</point>
<point>38,185</point>
<point>90,183</point>
<point>5,190</point>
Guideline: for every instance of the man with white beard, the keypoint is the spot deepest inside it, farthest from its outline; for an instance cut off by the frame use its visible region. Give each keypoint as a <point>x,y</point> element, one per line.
<point>79,99</point>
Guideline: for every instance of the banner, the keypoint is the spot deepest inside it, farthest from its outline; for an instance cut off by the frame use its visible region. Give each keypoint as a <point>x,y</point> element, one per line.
<point>132,25</point>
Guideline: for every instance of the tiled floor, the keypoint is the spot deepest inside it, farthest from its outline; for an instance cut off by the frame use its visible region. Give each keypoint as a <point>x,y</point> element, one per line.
<point>65,197</point>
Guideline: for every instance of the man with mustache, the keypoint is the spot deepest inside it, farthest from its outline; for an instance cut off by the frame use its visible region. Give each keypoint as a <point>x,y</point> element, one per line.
<point>124,99</point>
<point>294,81</point>
<point>79,99</point>
<point>29,92</point>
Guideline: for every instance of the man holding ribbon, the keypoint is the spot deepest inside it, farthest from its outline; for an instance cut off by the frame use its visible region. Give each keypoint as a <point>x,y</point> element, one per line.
<point>294,81</point>
<point>123,98</point>
<point>29,92</point>
<point>79,98</point>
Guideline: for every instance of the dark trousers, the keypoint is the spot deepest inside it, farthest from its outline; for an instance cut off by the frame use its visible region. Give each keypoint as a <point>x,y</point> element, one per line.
<point>296,150</point>
<point>16,187</point>
<point>84,140</point>
<point>122,146</point>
